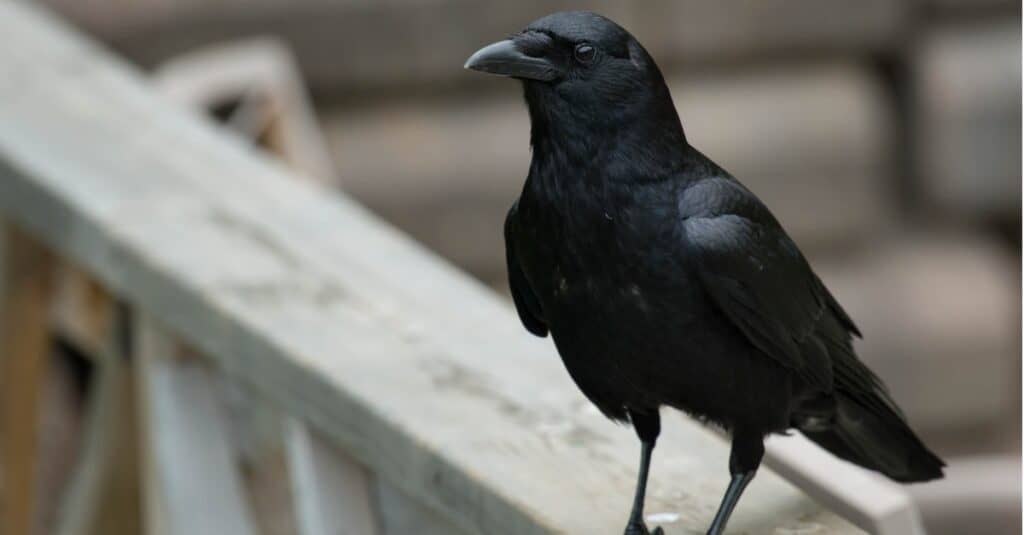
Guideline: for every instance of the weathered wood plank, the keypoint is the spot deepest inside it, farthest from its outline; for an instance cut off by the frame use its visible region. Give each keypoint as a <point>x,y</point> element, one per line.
<point>25,294</point>
<point>420,374</point>
<point>331,491</point>
<point>192,469</point>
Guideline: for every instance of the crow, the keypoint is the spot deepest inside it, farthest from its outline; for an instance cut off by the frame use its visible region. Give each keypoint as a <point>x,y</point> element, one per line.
<point>664,281</point>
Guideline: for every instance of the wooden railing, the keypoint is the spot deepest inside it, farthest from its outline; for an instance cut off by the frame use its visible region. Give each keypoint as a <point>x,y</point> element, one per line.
<point>236,314</point>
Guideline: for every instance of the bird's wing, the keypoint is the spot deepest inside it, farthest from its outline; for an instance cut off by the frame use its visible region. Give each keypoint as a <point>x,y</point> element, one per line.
<point>527,304</point>
<point>760,281</point>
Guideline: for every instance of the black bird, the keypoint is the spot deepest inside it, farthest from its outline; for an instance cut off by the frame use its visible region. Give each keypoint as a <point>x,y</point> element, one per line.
<point>664,281</point>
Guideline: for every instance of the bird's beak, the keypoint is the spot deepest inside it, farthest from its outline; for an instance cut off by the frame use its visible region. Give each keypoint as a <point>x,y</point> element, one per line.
<point>506,59</point>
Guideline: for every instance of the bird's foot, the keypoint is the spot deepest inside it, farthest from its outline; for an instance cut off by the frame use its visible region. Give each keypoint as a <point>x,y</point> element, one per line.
<point>638,528</point>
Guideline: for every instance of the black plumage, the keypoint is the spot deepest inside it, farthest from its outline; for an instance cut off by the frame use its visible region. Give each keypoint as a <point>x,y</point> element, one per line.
<point>663,280</point>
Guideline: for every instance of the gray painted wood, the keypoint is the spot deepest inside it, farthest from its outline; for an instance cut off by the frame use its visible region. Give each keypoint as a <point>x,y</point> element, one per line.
<point>417,372</point>
<point>192,469</point>
<point>402,514</point>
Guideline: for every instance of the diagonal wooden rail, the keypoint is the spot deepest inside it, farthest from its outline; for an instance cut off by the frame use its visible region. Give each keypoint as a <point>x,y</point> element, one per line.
<point>450,419</point>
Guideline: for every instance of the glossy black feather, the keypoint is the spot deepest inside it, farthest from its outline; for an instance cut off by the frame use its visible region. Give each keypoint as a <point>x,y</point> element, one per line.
<point>664,281</point>
<point>525,300</point>
<point>756,276</point>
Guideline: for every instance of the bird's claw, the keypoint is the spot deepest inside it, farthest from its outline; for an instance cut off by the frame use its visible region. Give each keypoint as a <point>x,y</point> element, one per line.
<point>641,529</point>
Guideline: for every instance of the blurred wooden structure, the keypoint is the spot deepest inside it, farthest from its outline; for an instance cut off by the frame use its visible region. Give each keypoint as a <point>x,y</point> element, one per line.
<point>260,84</point>
<point>210,282</point>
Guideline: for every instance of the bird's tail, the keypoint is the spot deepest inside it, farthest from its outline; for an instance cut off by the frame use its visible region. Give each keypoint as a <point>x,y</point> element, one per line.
<point>869,431</point>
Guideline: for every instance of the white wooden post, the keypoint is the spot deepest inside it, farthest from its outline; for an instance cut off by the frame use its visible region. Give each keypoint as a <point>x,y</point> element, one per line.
<point>331,490</point>
<point>191,482</point>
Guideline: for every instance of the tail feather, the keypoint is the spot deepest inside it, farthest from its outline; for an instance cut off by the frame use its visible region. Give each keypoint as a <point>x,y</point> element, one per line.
<point>877,438</point>
<point>866,427</point>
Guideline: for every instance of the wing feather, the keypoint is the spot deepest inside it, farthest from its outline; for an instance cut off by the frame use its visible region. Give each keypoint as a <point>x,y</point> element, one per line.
<point>757,278</point>
<point>526,301</point>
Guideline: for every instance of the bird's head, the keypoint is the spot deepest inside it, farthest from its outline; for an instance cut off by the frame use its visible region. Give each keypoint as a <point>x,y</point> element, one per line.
<point>582,71</point>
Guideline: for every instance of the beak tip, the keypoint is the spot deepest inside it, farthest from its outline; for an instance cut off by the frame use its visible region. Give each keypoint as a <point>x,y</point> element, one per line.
<point>473,63</point>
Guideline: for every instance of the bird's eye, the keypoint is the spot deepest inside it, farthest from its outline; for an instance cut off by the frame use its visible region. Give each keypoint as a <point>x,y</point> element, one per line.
<point>584,53</point>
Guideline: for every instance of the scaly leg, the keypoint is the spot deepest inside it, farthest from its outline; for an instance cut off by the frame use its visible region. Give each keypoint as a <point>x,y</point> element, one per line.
<point>745,458</point>
<point>647,426</point>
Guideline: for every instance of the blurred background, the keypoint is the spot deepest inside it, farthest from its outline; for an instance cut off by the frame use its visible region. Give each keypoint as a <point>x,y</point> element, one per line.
<point>884,134</point>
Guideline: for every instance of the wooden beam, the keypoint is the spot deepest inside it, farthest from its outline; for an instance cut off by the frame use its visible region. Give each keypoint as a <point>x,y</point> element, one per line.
<point>24,357</point>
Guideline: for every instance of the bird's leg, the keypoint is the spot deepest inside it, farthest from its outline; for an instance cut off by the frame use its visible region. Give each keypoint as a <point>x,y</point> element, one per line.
<point>732,495</point>
<point>636,524</point>
<point>745,458</point>
<point>647,426</point>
